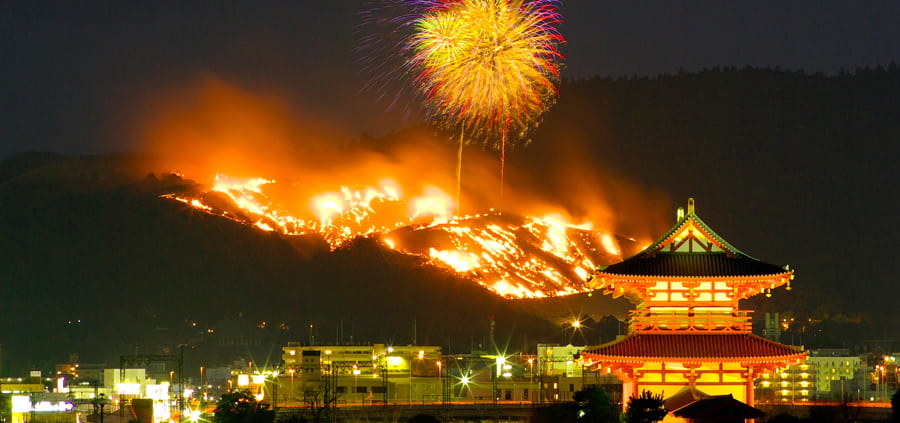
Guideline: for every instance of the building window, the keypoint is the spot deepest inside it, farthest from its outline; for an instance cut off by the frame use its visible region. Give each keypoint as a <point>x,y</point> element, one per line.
<point>361,389</point>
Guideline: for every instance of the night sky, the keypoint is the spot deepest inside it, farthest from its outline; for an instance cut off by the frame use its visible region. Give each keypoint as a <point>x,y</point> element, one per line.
<point>75,78</point>
<point>76,74</point>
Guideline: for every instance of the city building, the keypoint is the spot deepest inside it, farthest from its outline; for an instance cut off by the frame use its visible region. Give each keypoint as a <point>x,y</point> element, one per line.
<point>43,407</point>
<point>688,337</point>
<point>826,375</point>
<point>359,374</point>
<point>376,374</point>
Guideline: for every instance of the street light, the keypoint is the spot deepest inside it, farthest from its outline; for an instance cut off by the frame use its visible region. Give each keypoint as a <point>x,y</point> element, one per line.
<point>440,379</point>
<point>464,381</point>
<point>576,325</point>
<point>99,403</point>
<point>291,371</point>
<point>328,374</point>
<point>356,373</point>
<point>202,390</point>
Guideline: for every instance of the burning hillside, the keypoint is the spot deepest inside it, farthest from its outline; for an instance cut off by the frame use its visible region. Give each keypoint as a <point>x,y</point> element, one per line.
<point>268,166</point>
<point>514,256</point>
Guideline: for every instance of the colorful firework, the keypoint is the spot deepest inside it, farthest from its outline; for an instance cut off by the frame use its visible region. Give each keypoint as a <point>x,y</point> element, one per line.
<point>489,67</point>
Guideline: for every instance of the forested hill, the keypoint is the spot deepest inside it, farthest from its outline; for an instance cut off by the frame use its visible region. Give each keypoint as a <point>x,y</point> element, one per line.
<point>791,168</point>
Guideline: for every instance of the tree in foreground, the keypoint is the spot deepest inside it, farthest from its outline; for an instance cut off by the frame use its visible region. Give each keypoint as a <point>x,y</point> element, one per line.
<point>559,412</point>
<point>646,408</point>
<point>895,407</point>
<point>595,406</point>
<point>243,407</point>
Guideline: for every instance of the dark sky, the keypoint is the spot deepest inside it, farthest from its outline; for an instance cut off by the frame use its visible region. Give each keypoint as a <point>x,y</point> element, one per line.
<point>75,76</point>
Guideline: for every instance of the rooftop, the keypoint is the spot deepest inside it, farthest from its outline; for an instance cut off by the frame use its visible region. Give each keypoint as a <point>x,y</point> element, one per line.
<point>693,346</point>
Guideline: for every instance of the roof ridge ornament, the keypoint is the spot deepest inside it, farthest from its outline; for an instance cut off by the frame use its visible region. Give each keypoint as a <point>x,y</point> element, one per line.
<point>690,210</point>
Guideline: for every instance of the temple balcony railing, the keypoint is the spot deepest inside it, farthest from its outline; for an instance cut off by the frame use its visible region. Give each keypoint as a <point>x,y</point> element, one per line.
<point>690,321</point>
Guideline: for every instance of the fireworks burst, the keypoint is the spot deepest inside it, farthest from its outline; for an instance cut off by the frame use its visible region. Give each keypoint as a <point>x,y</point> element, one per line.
<point>487,66</point>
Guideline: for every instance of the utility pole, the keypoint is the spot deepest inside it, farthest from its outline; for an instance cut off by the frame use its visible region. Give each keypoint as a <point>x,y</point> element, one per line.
<point>384,381</point>
<point>102,404</point>
<point>180,399</point>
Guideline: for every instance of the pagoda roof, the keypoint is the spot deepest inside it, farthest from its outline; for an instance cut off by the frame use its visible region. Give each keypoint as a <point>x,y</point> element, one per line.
<point>691,249</point>
<point>719,406</point>
<point>692,346</point>
<point>686,395</point>
<point>693,265</point>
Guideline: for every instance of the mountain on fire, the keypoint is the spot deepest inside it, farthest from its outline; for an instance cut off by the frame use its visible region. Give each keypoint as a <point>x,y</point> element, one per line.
<point>100,263</point>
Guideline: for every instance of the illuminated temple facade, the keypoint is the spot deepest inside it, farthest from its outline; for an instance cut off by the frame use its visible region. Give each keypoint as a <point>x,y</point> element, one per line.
<point>688,338</point>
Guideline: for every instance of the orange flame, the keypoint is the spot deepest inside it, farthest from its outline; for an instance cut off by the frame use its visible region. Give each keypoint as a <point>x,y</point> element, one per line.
<point>532,258</point>
<point>328,188</point>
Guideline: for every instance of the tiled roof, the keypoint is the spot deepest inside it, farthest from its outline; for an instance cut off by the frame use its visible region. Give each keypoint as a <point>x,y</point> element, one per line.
<point>692,264</point>
<point>687,220</point>
<point>686,395</point>
<point>647,347</point>
<point>718,406</point>
<point>666,258</point>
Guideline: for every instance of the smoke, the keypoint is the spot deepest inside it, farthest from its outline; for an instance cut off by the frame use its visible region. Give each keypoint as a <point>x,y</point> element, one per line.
<point>212,126</point>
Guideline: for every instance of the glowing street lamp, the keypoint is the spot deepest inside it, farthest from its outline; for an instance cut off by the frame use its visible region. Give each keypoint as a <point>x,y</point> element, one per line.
<point>291,371</point>
<point>576,326</point>
<point>440,378</point>
<point>881,368</point>
<point>356,373</point>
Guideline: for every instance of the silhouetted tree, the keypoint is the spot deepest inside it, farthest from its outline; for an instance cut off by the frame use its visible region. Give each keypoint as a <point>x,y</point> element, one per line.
<point>5,406</point>
<point>423,418</point>
<point>646,408</point>
<point>822,414</point>
<point>242,407</point>
<point>895,407</point>
<point>595,406</point>
<point>562,412</point>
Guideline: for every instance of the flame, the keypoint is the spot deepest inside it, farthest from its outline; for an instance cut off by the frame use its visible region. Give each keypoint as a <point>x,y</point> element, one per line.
<point>316,187</point>
<point>515,257</point>
<point>610,244</point>
<point>461,261</point>
<point>434,203</point>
